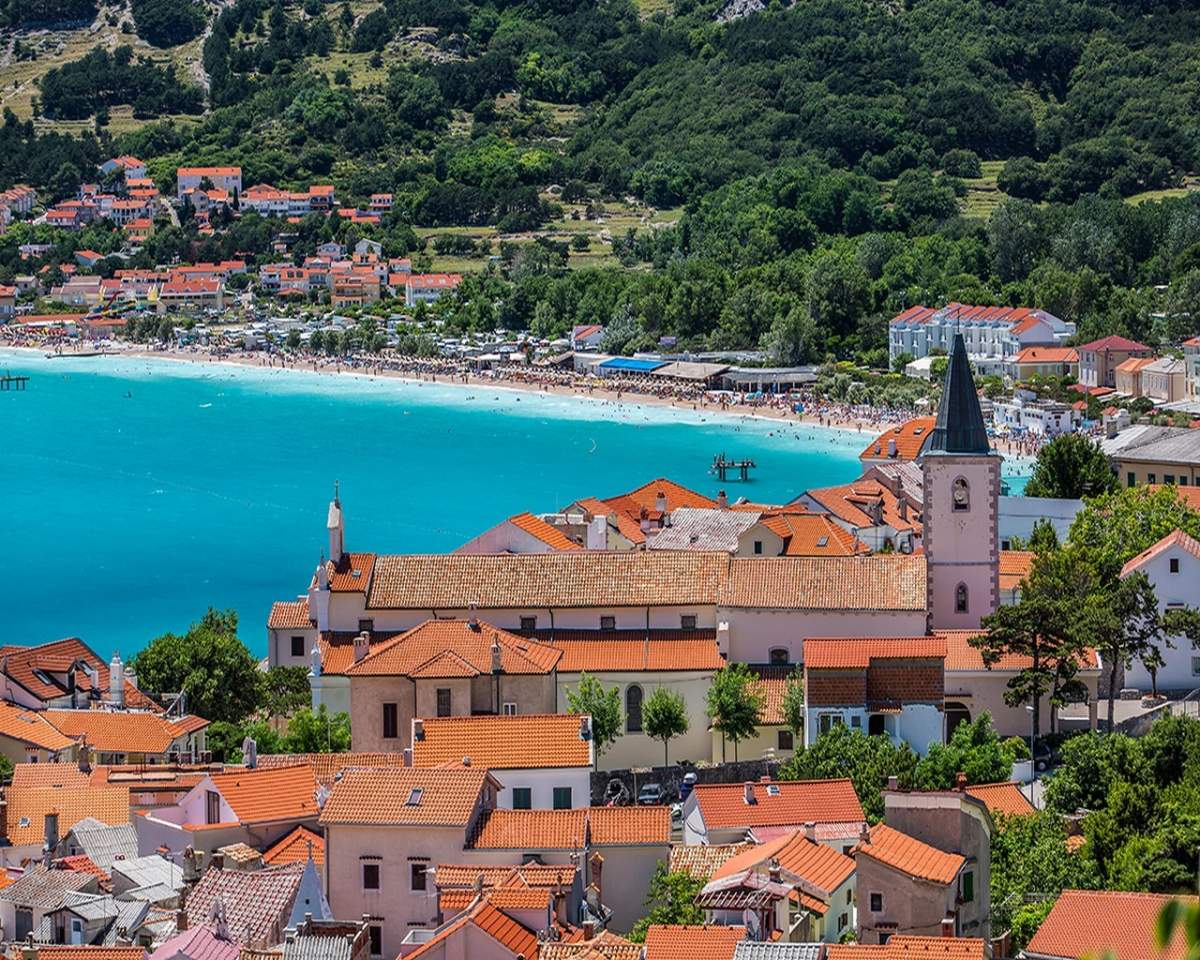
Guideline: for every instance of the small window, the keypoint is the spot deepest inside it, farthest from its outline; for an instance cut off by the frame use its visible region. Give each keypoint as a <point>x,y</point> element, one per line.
<point>856,722</point>
<point>370,876</point>
<point>822,541</point>
<point>842,922</point>
<point>297,646</point>
<point>877,903</point>
<point>757,547</point>
<point>376,932</point>
<point>528,624</point>
<point>1183,481</point>
<point>1174,564</point>
<point>633,709</point>
<point>849,894</point>
<point>522,798</point>
<point>1152,478</point>
<point>968,887</point>
<point>562,798</point>
<point>608,623</point>
<point>1130,479</point>
<point>414,797</point>
<point>961,494</point>
<point>772,789</point>
<point>391,722</point>
<point>418,877</point>
<point>508,709</point>
<point>1168,478</point>
<point>687,621</point>
<point>212,806</point>
<point>827,721</point>
<point>960,598</point>
<point>780,656</point>
<point>876,725</point>
<point>367,625</point>
<point>1196,666</point>
<point>785,740</point>
<point>884,937</point>
<point>443,702</point>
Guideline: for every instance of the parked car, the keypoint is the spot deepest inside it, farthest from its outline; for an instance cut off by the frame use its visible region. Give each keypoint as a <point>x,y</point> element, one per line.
<point>1045,756</point>
<point>651,795</point>
<point>685,787</point>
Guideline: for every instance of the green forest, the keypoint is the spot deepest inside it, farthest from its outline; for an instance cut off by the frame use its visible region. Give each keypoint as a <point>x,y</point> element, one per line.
<point>818,154</point>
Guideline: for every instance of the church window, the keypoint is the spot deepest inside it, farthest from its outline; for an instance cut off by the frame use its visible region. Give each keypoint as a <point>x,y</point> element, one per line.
<point>961,494</point>
<point>960,598</point>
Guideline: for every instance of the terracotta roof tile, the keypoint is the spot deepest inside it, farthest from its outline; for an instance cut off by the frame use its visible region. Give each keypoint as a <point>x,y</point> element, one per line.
<point>289,615</point>
<point>816,864</point>
<point>852,652</point>
<point>910,438</point>
<point>886,582</point>
<point>571,578</point>
<point>547,533</point>
<point>513,936</point>
<point>1048,355</point>
<point>352,573</point>
<point>1006,798</point>
<point>326,766</point>
<point>1114,342</point>
<point>121,732</point>
<point>1177,538</point>
<point>1081,924</point>
<point>564,829</point>
<point>814,535</point>
<point>28,806</point>
<point>676,494</point>
<point>263,796</point>
<point>23,664</point>
<point>701,860</point>
<point>295,847</point>
<point>31,727</point>
<point>454,648</point>
<point>257,903</point>
<point>909,855</point>
<point>692,942</point>
<point>606,945</point>
<point>405,796</point>
<point>904,947</point>
<point>1014,567</point>
<point>796,802</point>
<point>606,651</point>
<point>63,952</point>
<point>523,741</point>
<point>772,684</point>
<point>960,655</point>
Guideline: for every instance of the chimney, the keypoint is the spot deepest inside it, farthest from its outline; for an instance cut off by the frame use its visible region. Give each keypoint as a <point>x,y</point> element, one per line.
<point>891,448</point>
<point>51,824</point>
<point>218,861</point>
<point>473,615</point>
<point>589,929</point>
<point>960,782</point>
<point>585,727</point>
<point>597,533</point>
<point>85,755</point>
<point>893,783</point>
<point>250,753</point>
<point>723,638</point>
<point>497,661</point>
<point>418,729</point>
<point>597,863</point>
<point>810,830</point>
<point>774,873</point>
<point>362,644</point>
<point>748,793</point>
<point>722,500</point>
<point>644,520</point>
<point>903,505</point>
<point>948,926</point>
<point>408,756</point>
<point>116,681</point>
<point>864,835</point>
<point>660,502</point>
<point>29,950</point>
<point>131,677</point>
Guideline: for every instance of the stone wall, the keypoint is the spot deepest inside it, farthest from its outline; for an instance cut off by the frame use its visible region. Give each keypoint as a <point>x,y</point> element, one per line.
<point>671,777</point>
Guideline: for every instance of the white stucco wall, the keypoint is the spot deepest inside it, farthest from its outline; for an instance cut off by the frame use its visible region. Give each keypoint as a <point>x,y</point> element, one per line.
<point>541,782</point>
<point>754,631</point>
<point>1182,669</point>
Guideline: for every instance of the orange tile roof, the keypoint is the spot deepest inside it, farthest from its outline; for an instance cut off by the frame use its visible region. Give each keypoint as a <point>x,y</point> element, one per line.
<point>1014,567</point>
<point>960,655</point>
<point>676,494</point>
<point>263,796</point>
<point>294,848</point>
<point>905,947</point>
<point>84,864</point>
<point>352,573</point>
<point>22,663</point>
<point>813,535</point>
<point>406,796</point>
<point>1048,355</point>
<point>692,942</point>
<point>452,875</point>
<point>816,864</point>
<point>1189,495</point>
<point>1005,798</point>
<point>1082,923</point>
<point>864,503</point>
<point>569,578</point>
<point>337,649</point>
<point>884,582</point>
<point>1134,364</point>
<point>31,727</point>
<point>851,652</point>
<point>797,802</point>
<point>289,615</point>
<point>524,741</point>
<point>326,766</point>
<point>113,732</point>
<point>772,683</point>
<point>454,648</point>
<point>1177,538</point>
<point>512,936</point>
<point>47,951</point>
<point>909,855</point>
<point>28,806</point>
<point>606,945</point>
<point>701,860</point>
<point>628,527</point>
<point>547,533</point>
<point>564,829</point>
<point>910,438</point>
<point>601,655</point>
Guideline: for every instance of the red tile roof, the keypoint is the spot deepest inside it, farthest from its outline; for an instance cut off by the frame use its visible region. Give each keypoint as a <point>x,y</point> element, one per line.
<point>1114,342</point>
<point>257,903</point>
<point>289,615</point>
<point>31,727</point>
<point>909,855</point>
<point>883,582</point>
<point>866,503</point>
<point>772,683</point>
<point>547,533</point>
<point>1048,355</point>
<point>1176,538</point>
<point>326,766</point>
<point>905,947</point>
<point>511,935</point>
<point>523,741</point>
<point>1004,798</point>
<point>676,494</point>
<point>1083,923</point>
<point>960,655</point>
<point>852,652</point>
<point>28,806</point>
<point>263,796</point>
<point>455,648</point>
<point>797,802</point>
<point>702,859</point>
<point>1014,567</point>
<point>62,952</point>
<point>692,942</point>
<point>601,655</point>
<point>121,732</point>
<point>564,829</point>
<point>295,847</point>
<point>352,573</point>
<point>23,664</point>
<point>816,864</point>
<point>813,535</point>
<point>406,796</point>
<point>910,438</point>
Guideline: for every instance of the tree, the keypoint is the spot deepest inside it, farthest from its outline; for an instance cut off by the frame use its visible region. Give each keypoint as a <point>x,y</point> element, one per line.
<point>283,690</point>
<point>603,706</point>
<point>1071,466</point>
<point>318,732</point>
<point>974,750</point>
<point>791,338</point>
<point>867,761</point>
<point>793,703</point>
<point>664,717</point>
<point>734,705</point>
<point>1120,525</point>
<point>208,663</point>
<point>670,899</point>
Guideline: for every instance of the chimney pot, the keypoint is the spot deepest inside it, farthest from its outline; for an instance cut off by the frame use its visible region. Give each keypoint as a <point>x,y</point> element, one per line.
<point>948,927</point>
<point>960,781</point>
<point>722,500</point>
<point>362,645</point>
<point>893,783</point>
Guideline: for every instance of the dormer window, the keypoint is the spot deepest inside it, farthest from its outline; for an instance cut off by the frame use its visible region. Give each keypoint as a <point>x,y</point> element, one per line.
<point>960,495</point>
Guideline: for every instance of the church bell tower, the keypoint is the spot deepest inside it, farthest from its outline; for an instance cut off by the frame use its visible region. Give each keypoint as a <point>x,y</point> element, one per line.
<point>962,498</point>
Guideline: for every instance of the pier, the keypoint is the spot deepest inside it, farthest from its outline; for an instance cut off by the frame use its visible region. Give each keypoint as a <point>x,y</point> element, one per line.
<point>12,382</point>
<point>722,467</point>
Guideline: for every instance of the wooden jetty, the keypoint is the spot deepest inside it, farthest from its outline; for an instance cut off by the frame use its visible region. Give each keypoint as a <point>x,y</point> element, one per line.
<point>722,466</point>
<point>13,382</point>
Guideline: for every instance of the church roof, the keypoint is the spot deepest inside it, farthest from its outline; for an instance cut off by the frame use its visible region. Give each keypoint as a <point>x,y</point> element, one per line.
<point>959,427</point>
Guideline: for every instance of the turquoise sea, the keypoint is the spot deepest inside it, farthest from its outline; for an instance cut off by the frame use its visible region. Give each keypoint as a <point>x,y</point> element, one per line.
<point>138,492</point>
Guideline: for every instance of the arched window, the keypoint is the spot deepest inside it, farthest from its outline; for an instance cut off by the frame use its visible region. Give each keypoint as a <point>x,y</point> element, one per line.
<point>961,494</point>
<point>780,656</point>
<point>960,598</point>
<point>633,709</point>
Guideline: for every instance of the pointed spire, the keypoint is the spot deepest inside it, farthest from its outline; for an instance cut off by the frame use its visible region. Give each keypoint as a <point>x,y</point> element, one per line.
<point>959,427</point>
